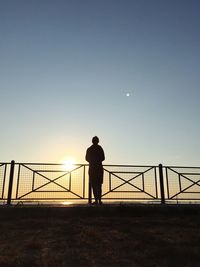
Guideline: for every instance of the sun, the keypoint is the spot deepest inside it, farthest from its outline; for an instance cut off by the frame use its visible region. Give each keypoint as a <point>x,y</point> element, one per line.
<point>69,164</point>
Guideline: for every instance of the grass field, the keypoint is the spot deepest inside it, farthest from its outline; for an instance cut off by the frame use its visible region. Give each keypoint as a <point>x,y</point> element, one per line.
<point>137,236</point>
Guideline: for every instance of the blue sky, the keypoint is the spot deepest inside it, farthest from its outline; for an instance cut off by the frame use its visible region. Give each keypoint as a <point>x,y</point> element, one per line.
<point>65,69</point>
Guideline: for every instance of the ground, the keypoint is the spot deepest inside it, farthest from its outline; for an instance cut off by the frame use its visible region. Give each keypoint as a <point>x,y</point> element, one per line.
<point>135,236</point>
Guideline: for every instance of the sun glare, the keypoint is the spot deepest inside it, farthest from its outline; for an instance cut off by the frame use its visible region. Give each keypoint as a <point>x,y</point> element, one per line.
<point>67,203</point>
<point>69,164</point>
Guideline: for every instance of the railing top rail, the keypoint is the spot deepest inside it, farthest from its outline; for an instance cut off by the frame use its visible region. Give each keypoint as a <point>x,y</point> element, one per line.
<point>182,167</point>
<point>43,163</point>
<point>127,165</point>
<point>85,164</point>
<point>106,165</point>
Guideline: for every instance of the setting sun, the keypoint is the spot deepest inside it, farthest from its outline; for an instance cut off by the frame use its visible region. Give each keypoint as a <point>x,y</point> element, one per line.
<point>69,164</point>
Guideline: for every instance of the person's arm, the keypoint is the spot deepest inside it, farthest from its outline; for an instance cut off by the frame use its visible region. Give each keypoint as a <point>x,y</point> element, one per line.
<point>87,157</point>
<point>102,155</point>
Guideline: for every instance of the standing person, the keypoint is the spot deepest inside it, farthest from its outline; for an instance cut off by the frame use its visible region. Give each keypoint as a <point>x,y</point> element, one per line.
<point>95,156</point>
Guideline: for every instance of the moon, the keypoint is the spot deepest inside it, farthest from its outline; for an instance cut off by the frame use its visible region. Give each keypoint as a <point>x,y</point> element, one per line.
<point>128,94</point>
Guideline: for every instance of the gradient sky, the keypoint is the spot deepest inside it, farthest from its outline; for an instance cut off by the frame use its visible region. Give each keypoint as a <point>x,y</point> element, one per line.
<point>65,69</point>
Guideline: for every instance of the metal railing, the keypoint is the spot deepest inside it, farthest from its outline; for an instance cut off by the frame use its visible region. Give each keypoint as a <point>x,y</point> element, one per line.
<point>130,182</point>
<point>3,176</point>
<point>49,182</point>
<point>39,182</point>
<point>182,183</point>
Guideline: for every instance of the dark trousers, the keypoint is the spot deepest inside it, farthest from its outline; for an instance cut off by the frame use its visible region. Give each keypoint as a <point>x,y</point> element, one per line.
<point>96,180</point>
<point>96,187</point>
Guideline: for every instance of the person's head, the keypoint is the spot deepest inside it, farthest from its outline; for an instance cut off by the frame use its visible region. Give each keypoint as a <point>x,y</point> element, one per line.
<point>95,140</point>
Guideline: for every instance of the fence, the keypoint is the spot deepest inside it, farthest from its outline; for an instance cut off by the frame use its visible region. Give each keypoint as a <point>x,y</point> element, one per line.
<point>3,177</point>
<point>182,183</point>
<point>37,182</point>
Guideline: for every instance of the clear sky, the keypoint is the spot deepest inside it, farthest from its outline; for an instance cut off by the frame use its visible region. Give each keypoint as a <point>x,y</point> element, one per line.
<point>66,67</point>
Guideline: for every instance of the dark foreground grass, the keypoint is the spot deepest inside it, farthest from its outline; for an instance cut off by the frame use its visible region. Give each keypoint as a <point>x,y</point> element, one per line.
<point>145,236</point>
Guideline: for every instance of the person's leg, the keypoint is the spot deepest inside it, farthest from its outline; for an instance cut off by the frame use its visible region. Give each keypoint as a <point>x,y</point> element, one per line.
<point>93,183</point>
<point>100,182</point>
<point>95,192</point>
<point>99,192</point>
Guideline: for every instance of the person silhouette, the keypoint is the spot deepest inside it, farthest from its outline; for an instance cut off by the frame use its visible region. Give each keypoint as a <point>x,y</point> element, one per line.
<point>95,156</point>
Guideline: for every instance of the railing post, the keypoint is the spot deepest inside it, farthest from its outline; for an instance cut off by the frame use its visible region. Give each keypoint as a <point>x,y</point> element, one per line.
<point>12,167</point>
<point>162,192</point>
<point>89,193</point>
